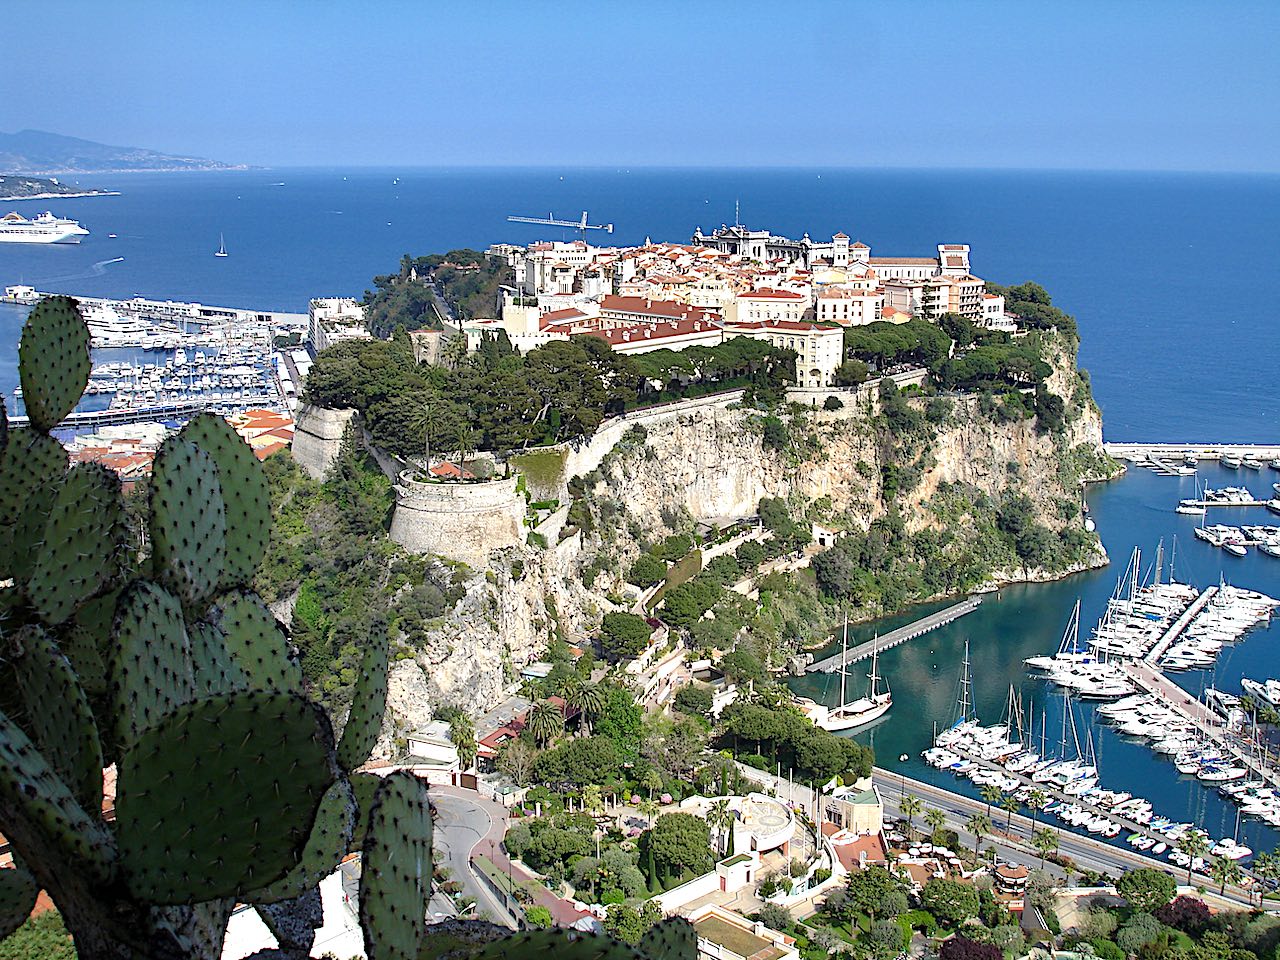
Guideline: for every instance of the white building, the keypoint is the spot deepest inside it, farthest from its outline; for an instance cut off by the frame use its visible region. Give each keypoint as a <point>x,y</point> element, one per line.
<point>766,305</point>
<point>819,350</point>
<point>849,306</point>
<point>432,746</point>
<point>331,320</point>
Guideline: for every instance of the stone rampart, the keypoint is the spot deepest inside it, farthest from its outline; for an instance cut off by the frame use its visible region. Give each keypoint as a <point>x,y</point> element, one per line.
<point>461,521</point>
<point>317,437</point>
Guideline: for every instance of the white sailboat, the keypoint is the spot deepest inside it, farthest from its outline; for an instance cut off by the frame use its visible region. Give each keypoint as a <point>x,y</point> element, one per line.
<point>864,710</point>
<point>222,247</point>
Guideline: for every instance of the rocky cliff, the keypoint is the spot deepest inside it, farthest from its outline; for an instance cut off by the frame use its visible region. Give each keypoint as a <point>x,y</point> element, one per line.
<point>831,467</point>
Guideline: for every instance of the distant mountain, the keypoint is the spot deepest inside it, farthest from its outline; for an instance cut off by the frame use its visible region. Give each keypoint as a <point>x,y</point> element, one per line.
<point>37,152</point>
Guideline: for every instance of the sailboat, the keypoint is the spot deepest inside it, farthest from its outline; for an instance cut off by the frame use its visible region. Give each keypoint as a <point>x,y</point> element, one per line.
<point>864,710</point>
<point>1068,649</point>
<point>222,247</point>
<point>1193,507</point>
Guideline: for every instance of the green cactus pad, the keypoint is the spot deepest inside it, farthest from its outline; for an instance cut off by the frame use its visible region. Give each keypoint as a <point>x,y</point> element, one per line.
<point>294,922</point>
<point>31,465</point>
<point>395,871</point>
<point>18,892</point>
<point>59,716</point>
<point>364,786</point>
<point>215,669</point>
<point>256,641</point>
<point>368,701</point>
<point>218,798</point>
<point>150,659</point>
<point>328,843</point>
<point>244,496</point>
<point>670,939</point>
<point>49,809</point>
<point>86,639</point>
<point>83,540</point>
<point>188,521</point>
<point>557,944</point>
<point>53,361</point>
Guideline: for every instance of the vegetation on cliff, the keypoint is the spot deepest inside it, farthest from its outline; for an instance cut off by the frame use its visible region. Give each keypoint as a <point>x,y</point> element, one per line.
<point>498,400</point>
<point>469,281</point>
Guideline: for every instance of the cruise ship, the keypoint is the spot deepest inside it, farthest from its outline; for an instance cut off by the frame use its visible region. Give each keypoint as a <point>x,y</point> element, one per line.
<point>46,228</point>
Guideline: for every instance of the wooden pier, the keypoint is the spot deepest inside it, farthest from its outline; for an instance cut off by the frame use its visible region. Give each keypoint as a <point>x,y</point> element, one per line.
<point>1179,625</point>
<point>893,638</point>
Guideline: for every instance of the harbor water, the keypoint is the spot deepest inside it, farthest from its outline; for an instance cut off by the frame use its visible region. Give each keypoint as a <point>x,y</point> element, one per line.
<point>1170,357</point>
<point>1025,620</point>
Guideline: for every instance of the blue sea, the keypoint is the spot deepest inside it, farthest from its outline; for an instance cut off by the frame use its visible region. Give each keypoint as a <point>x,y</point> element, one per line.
<point>1167,274</point>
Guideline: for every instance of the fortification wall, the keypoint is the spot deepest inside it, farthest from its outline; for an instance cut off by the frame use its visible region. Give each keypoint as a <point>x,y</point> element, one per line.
<point>317,437</point>
<point>461,521</point>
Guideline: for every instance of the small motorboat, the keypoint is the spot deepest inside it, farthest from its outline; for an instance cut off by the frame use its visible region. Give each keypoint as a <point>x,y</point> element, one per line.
<point>1230,461</point>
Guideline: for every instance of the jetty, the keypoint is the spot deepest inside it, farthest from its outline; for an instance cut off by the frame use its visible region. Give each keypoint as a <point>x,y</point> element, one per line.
<point>81,420</point>
<point>922,626</point>
<point>1201,451</point>
<point>1175,629</point>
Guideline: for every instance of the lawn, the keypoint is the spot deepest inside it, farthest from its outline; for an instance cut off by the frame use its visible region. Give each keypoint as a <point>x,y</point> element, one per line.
<point>734,938</point>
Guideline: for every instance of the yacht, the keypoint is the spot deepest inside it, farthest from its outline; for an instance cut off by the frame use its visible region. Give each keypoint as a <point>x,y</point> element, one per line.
<point>46,228</point>
<point>1274,464</point>
<point>1249,463</point>
<point>1230,461</point>
<point>864,710</point>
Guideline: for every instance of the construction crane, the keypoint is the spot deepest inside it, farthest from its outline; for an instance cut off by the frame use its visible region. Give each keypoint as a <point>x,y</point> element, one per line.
<point>550,221</point>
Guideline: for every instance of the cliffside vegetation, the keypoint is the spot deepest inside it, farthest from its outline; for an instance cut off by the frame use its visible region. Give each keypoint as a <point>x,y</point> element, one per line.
<point>497,400</point>
<point>330,554</point>
<point>468,280</point>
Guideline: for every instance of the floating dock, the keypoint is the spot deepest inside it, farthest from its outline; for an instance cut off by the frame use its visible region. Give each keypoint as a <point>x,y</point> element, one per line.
<point>1175,629</point>
<point>912,630</point>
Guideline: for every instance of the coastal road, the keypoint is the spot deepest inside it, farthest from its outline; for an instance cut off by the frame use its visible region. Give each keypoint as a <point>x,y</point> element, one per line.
<point>1015,847</point>
<point>463,821</point>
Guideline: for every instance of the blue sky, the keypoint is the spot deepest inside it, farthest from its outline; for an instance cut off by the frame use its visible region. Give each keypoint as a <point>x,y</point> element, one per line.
<point>962,83</point>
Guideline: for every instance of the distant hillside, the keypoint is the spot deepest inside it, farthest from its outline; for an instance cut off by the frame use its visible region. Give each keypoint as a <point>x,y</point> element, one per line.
<point>37,152</point>
<point>43,188</point>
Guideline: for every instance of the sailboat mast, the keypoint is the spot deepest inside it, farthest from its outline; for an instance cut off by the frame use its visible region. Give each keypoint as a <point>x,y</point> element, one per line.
<point>964,685</point>
<point>844,659</point>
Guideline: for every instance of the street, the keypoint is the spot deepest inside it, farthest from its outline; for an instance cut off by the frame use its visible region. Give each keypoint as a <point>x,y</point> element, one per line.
<point>461,823</point>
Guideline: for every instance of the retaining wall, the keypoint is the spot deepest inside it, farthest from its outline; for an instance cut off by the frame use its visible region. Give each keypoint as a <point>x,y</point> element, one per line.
<point>317,437</point>
<point>461,521</point>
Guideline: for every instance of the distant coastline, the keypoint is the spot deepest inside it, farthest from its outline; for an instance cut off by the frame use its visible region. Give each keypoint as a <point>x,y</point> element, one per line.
<point>61,196</point>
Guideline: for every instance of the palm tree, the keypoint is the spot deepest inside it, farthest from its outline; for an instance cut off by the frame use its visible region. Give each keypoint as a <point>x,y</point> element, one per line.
<point>463,734</point>
<point>910,807</point>
<point>1046,842</point>
<point>1035,800</point>
<point>1267,866</point>
<point>649,808</point>
<point>720,818</point>
<point>1225,871</point>
<point>587,698</point>
<point>935,818</point>
<point>592,800</point>
<point>1194,845</point>
<point>1009,804</point>
<point>991,794</point>
<point>652,781</point>
<point>545,722</point>
<point>421,421</point>
<point>979,824</point>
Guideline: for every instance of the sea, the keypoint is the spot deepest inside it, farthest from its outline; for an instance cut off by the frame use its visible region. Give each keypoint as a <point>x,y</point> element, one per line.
<point>1166,273</point>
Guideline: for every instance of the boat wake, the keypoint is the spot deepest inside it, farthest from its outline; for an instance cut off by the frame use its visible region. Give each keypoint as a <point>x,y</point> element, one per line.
<point>98,269</point>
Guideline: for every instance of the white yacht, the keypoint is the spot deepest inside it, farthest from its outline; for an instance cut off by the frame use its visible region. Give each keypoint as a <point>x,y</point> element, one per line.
<point>46,228</point>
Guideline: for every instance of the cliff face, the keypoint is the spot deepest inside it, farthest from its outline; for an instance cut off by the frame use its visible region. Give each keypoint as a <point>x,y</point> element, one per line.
<point>714,462</point>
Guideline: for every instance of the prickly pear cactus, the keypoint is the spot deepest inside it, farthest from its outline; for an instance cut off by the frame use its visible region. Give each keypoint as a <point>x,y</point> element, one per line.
<point>555,945</point>
<point>368,702</point>
<point>326,846</point>
<point>395,872</point>
<point>255,641</point>
<point>53,361</point>
<point>188,521</point>
<point>150,662</point>
<point>671,939</point>
<point>18,892</point>
<point>217,799</point>
<point>246,500</point>
<point>31,465</point>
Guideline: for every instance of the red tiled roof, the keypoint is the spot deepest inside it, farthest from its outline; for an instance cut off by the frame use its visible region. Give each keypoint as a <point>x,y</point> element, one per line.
<point>658,309</point>
<point>767,293</point>
<point>659,330</point>
<point>840,236</point>
<point>860,245</point>
<point>906,261</point>
<point>557,316</point>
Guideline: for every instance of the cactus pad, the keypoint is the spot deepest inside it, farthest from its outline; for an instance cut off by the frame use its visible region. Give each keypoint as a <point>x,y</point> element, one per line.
<point>150,661</point>
<point>256,641</point>
<point>86,639</point>
<point>18,892</point>
<point>214,669</point>
<point>395,873</point>
<point>328,843</point>
<point>31,464</point>
<point>363,786</point>
<point>558,944</point>
<point>28,783</point>
<point>59,716</point>
<point>219,797</point>
<point>53,361</point>
<point>368,701</point>
<point>670,939</point>
<point>83,539</point>
<point>188,521</point>
<point>244,497</point>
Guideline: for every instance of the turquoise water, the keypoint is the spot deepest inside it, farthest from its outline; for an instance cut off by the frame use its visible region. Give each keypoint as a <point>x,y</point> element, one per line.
<point>1138,259</point>
<point>1020,621</point>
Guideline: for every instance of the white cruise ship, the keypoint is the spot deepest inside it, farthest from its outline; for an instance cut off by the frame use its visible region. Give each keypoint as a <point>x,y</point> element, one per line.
<point>46,228</point>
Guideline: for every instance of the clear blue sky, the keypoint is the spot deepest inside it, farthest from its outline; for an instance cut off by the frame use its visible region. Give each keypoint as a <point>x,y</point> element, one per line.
<point>960,83</point>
